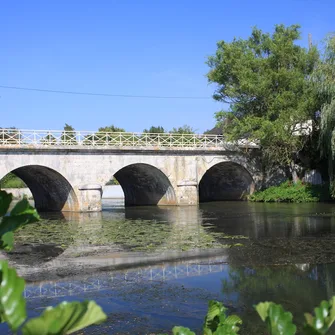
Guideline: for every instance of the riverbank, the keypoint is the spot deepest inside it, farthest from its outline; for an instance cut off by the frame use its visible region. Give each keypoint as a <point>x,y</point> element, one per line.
<point>295,193</point>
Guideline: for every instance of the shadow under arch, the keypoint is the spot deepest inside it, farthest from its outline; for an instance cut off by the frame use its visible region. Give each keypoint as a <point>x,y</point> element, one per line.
<point>225,181</point>
<point>144,184</point>
<point>51,191</point>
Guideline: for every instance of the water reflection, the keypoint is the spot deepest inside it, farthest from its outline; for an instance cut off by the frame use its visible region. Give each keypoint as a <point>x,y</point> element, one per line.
<point>259,220</point>
<point>177,293</point>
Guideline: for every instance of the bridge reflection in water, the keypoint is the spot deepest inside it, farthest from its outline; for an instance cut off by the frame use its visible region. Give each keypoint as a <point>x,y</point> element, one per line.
<point>110,280</point>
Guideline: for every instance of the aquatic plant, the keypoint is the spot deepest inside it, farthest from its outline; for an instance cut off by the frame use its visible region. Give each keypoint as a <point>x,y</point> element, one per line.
<point>278,321</point>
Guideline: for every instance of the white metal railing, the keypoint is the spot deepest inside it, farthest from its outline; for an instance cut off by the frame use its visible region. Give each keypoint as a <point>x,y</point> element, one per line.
<point>59,138</point>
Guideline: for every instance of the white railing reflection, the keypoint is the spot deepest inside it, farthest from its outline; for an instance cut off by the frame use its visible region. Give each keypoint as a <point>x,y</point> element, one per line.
<point>59,138</point>
<point>104,281</point>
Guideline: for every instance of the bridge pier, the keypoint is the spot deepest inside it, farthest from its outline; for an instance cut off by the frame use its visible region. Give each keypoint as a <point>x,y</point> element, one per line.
<point>187,193</point>
<point>90,198</point>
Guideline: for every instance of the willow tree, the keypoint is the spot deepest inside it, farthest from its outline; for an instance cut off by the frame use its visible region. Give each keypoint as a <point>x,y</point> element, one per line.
<point>324,79</point>
<point>264,79</point>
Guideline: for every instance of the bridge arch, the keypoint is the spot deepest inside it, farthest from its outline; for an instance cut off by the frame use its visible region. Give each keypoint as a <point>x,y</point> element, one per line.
<point>226,181</point>
<point>51,190</point>
<point>144,184</point>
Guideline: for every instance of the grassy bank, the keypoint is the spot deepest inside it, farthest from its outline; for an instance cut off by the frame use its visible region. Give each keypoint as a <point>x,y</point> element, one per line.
<point>290,192</point>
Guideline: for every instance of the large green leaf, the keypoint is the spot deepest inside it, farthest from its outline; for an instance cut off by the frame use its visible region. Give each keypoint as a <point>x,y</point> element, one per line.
<point>215,315</point>
<point>182,331</point>
<point>12,303</point>
<point>66,318</point>
<point>279,322</point>
<point>5,200</point>
<point>21,214</point>
<point>323,319</point>
<point>216,321</point>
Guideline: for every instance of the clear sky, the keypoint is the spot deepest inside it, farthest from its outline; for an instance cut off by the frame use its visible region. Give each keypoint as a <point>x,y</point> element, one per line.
<point>137,47</point>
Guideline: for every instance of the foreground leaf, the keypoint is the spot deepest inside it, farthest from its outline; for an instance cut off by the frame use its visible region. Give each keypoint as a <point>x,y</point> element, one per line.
<point>22,213</point>
<point>5,200</point>
<point>12,303</point>
<point>182,331</point>
<point>279,322</point>
<point>66,318</point>
<point>323,319</point>
<point>215,315</point>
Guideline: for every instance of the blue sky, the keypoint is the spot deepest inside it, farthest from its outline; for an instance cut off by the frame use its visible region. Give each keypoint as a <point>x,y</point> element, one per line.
<point>128,47</point>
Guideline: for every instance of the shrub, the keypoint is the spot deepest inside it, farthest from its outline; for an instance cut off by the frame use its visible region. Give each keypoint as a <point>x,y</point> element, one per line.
<point>290,192</point>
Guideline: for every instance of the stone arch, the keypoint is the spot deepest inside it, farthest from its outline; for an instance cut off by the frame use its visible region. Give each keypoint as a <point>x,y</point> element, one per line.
<point>144,184</point>
<point>51,190</point>
<point>226,181</point>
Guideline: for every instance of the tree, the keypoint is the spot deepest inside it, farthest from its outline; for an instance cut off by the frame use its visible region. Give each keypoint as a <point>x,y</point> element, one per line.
<point>185,129</point>
<point>265,80</point>
<point>69,135</point>
<point>155,130</point>
<point>324,80</point>
<point>106,136</point>
<point>49,140</point>
<point>111,129</point>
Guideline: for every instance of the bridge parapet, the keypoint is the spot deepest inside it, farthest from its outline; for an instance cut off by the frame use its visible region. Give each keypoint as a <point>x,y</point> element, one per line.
<point>56,139</point>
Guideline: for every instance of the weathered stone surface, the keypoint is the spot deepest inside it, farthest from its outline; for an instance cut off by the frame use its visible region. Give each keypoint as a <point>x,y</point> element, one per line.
<point>57,177</point>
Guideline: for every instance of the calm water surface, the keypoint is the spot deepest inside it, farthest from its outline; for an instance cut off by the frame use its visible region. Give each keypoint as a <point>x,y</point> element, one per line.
<point>278,252</point>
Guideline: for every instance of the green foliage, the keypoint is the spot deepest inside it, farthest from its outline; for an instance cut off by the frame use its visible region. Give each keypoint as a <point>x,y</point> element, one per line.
<point>216,321</point>
<point>111,129</point>
<point>112,181</point>
<point>68,137</point>
<point>105,136</point>
<point>278,321</point>
<point>12,181</point>
<point>182,331</point>
<point>290,192</point>
<point>12,303</point>
<point>65,318</point>
<point>323,79</point>
<point>265,80</point>
<point>51,140</point>
<point>154,130</point>
<point>323,319</point>
<point>185,129</point>
<point>20,215</point>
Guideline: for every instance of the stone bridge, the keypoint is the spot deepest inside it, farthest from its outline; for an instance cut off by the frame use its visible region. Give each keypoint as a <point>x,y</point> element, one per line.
<point>67,172</point>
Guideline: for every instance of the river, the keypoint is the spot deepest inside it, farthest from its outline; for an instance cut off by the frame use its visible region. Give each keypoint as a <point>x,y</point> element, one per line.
<point>151,268</point>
